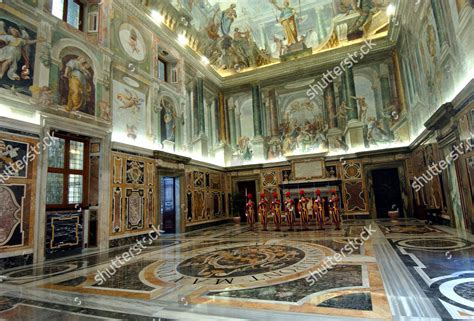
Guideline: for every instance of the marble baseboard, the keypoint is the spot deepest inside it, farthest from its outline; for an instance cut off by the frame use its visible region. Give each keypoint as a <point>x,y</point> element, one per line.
<point>15,261</point>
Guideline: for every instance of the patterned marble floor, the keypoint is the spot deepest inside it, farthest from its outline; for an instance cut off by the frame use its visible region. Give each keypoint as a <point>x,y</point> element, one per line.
<point>370,270</point>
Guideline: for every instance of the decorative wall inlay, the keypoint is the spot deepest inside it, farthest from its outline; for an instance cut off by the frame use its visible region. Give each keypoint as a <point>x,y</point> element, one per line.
<point>354,195</point>
<point>135,172</point>
<point>64,233</point>
<point>205,198</point>
<point>117,210</point>
<point>135,209</point>
<point>270,178</point>
<point>199,179</point>
<point>10,214</point>
<point>117,170</point>
<point>17,192</point>
<point>134,194</point>
<point>352,170</point>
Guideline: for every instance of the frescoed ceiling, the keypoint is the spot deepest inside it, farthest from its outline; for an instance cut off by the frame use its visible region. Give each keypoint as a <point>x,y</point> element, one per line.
<point>237,36</point>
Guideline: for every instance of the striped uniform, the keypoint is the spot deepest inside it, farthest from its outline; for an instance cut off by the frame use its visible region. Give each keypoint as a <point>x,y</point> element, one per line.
<point>262,212</point>
<point>250,213</point>
<point>276,210</point>
<point>290,210</point>
<point>319,212</point>
<point>303,207</point>
<point>335,215</point>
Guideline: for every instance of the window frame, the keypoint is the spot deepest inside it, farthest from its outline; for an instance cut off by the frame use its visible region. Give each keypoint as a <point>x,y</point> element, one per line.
<point>66,171</point>
<point>82,10</point>
<point>166,65</point>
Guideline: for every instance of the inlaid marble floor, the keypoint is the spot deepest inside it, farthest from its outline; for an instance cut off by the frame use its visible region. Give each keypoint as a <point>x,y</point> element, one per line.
<point>403,270</point>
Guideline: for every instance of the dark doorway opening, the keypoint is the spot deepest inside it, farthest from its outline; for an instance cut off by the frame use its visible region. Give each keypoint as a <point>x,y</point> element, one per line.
<point>388,196</point>
<point>169,203</point>
<point>245,188</point>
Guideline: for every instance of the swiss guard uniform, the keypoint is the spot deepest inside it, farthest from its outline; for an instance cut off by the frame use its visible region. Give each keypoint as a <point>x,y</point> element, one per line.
<point>262,211</point>
<point>334,209</point>
<point>250,211</point>
<point>290,210</point>
<point>303,209</point>
<point>318,210</point>
<point>276,211</point>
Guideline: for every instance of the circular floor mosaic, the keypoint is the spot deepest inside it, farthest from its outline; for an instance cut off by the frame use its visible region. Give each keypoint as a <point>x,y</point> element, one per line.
<point>241,261</point>
<point>242,264</point>
<point>433,244</point>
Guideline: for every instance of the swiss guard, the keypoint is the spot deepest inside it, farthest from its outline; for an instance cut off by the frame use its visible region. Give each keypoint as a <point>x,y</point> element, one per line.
<point>318,210</point>
<point>262,211</point>
<point>250,211</point>
<point>303,209</point>
<point>334,209</point>
<point>290,210</point>
<point>276,211</point>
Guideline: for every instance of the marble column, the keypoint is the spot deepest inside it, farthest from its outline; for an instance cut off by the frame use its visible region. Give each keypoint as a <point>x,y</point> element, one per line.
<point>385,85</point>
<point>189,121</point>
<point>272,101</point>
<point>233,138</point>
<point>258,142</point>
<point>257,110</point>
<point>376,88</point>
<point>200,105</point>
<point>355,128</point>
<point>200,145</point>
<point>398,81</point>
<point>386,93</point>
<point>227,122</point>
<point>178,133</point>
<point>330,105</point>
<point>223,152</point>
<point>158,110</point>
<point>221,113</point>
<point>238,125</point>
<point>350,92</point>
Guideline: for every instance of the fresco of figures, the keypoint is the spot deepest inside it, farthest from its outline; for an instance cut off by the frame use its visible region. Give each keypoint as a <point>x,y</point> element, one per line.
<point>17,55</point>
<point>303,128</point>
<point>431,75</point>
<point>76,84</point>
<point>129,108</point>
<point>235,35</point>
<point>168,120</point>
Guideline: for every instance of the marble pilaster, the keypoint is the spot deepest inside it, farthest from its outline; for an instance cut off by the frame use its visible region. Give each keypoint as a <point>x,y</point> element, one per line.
<point>350,92</point>
<point>233,139</point>
<point>257,110</point>
<point>272,101</point>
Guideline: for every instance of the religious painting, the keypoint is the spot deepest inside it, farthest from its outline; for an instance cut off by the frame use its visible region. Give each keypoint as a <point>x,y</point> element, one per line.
<point>238,35</point>
<point>132,42</point>
<point>168,120</point>
<point>303,128</point>
<point>129,108</point>
<point>17,55</point>
<point>76,84</point>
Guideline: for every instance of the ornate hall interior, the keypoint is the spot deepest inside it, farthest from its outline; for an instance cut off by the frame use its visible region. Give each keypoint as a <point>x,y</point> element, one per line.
<point>237,160</point>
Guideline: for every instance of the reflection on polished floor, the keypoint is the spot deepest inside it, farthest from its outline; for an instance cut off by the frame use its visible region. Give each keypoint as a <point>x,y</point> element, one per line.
<point>405,270</point>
